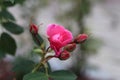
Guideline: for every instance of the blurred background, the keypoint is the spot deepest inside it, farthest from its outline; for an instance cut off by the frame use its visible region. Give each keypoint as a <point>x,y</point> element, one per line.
<point>96,59</point>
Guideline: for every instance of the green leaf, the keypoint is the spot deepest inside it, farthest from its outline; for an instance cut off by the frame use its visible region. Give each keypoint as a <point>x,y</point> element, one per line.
<point>2,55</point>
<point>12,1</point>
<point>7,44</point>
<point>16,1</point>
<point>38,39</point>
<point>63,75</point>
<point>19,1</point>
<point>7,3</point>
<point>22,66</point>
<point>35,76</point>
<point>12,27</point>
<point>4,14</point>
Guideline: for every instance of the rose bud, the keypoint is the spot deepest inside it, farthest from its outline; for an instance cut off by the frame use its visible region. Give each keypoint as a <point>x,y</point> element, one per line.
<point>64,55</point>
<point>33,29</point>
<point>70,47</point>
<point>80,38</point>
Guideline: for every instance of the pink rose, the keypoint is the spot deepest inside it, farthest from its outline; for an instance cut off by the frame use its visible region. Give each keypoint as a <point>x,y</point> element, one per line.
<point>58,37</point>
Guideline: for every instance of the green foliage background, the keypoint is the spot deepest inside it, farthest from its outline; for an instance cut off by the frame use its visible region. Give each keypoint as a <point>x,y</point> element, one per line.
<point>8,22</point>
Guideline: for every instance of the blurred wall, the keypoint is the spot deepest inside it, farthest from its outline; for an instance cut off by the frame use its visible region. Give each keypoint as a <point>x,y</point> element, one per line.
<point>104,22</point>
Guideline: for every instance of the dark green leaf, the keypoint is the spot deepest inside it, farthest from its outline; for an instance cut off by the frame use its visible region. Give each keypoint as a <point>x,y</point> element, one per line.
<point>4,14</point>
<point>19,1</point>
<point>7,3</point>
<point>2,55</point>
<point>12,1</point>
<point>16,1</point>
<point>38,39</point>
<point>12,27</point>
<point>7,44</point>
<point>22,66</point>
<point>63,75</point>
<point>35,76</point>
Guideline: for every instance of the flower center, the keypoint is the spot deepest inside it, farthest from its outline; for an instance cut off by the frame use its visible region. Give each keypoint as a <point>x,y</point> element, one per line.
<point>57,37</point>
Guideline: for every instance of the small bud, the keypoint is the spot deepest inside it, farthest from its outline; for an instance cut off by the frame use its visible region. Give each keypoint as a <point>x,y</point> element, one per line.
<point>70,47</point>
<point>81,38</point>
<point>64,55</point>
<point>39,51</point>
<point>33,29</point>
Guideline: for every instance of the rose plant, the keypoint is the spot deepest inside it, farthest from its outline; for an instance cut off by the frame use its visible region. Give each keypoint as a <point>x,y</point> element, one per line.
<point>62,43</point>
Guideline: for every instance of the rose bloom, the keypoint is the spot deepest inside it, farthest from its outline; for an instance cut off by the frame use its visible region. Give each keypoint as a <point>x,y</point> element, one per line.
<point>58,37</point>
